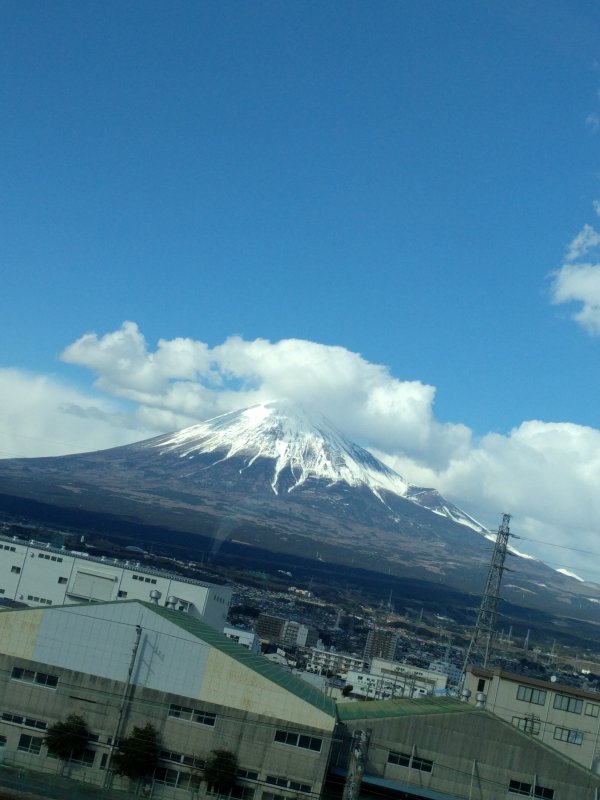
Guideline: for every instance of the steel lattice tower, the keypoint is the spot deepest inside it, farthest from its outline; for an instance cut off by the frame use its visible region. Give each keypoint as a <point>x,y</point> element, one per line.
<point>480,646</point>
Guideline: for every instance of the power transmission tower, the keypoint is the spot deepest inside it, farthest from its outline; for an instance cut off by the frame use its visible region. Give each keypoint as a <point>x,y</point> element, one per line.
<point>480,646</point>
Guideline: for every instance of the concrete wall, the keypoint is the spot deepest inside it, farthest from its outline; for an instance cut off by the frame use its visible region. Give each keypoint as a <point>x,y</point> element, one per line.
<point>474,755</point>
<point>88,650</point>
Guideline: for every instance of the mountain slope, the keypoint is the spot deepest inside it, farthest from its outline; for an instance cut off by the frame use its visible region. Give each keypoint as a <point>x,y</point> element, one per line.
<point>275,478</point>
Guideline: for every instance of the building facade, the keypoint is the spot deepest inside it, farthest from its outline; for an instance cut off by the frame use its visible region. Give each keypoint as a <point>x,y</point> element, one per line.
<point>439,748</point>
<point>42,575</point>
<point>381,643</point>
<point>393,679</point>
<point>126,664</point>
<point>323,661</point>
<point>562,717</point>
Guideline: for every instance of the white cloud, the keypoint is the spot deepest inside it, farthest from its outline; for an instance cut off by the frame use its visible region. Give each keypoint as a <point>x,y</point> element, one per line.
<point>185,381</point>
<point>592,122</point>
<point>43,416</point>
<point>545,474</point>
<point>580,282</point>
<point>587,239</point>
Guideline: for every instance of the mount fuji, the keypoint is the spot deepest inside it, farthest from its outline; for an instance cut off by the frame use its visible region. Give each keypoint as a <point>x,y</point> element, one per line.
<point>277,481</point>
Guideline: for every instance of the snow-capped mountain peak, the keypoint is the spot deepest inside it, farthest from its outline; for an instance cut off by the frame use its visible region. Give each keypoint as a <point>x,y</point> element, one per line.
<point>304,442</point>
<point>298,445</point>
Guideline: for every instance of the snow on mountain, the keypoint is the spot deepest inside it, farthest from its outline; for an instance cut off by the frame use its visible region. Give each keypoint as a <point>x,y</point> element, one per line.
<point>307,444</point>
<point>569,574</point>
<point>304,444</point>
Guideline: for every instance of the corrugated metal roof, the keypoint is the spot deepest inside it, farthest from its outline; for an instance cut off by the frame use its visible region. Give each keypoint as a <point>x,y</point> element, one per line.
<point>403,707</point>
<point>272,672</point>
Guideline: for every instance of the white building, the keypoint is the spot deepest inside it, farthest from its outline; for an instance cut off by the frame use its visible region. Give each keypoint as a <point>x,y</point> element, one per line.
<point>247,639</point>
<point>331,661</point>
<point>393,679</point>
<point>41,575</point>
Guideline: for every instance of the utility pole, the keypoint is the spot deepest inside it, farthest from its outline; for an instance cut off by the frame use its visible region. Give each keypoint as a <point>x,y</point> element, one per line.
<point>122,707</point>
<point>480,646</point>
<point>356,765</point>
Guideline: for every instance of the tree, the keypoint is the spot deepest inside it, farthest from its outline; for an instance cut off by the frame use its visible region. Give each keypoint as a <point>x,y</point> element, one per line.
<point>138,753</point>
<point>220,771</point>
<point>68,739</point>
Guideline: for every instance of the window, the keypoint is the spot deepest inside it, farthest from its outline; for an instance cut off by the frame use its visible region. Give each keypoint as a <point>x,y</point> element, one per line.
<point>527,724</point>
<point>247,774</point>
<point>41,600</point>
<point>86,758</point>
<point>286,783</point>
<point>3,741</point>
<point>245,793</point>
<point>481,685</point>
<point>165,775</point>
<point>16,570</point>
<point>401,759</point>
<point>39,678</point>
<point>181,758</point>
<point>28,722</point>
<point>568,735</point>
<point>530,695</point>
<point>30,744</point>
<point>412,761</point>
<point>591,710</point>
<point>193,715</point>
<point>121,593</point>
<point>62,580</point>
<point>527,790</point>
<point>299,740</point>
<point>541,791</point>
<point>566,703</point>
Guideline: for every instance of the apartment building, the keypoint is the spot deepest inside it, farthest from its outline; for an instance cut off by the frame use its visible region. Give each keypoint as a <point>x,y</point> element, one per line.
<point>562,717</point>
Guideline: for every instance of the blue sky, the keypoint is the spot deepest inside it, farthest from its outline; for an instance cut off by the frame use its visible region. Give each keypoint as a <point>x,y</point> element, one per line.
<point>415,182</point>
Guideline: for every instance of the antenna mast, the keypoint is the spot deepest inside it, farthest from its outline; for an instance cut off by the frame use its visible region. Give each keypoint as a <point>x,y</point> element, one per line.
<point>480,646</point>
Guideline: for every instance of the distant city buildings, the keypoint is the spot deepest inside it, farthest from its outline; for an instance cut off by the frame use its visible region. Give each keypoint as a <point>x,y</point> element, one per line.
<point>381,643</point>
<point>247,639</point>
<point>332,662</point>
<point>285,632</point>
<point>392,679</point>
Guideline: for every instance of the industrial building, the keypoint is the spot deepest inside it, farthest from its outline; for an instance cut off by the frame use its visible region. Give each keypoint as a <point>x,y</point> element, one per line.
<point>38,574</point>
<point>126,664</point>
<point>437,748</point>
<point>393,679</point>
<point>129,663</point>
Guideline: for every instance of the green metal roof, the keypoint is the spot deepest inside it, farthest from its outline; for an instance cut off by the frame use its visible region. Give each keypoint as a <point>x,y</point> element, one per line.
<point>272,672</point>
<point>402,707</point>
